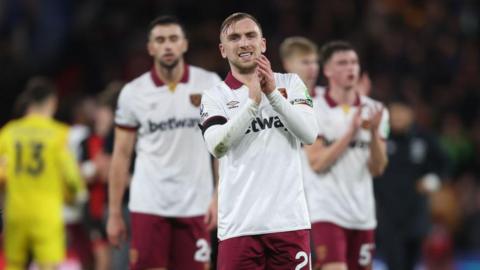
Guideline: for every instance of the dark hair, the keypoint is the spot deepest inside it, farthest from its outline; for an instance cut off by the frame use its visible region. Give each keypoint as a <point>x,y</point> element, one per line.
<point>37,90</point>
<point>166,20</point>
<point>331,48</point>
<point>235,17</point>
<point>109,96</point>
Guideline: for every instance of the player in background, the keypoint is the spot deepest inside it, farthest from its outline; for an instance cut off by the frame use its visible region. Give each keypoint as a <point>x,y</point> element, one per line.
<point>40,173</point>
<point>255,121</point>
<point>349,151</point>
<point>95,163</point>
<point>300,55</point>
<point>172,183</point>
<point>417,164</point>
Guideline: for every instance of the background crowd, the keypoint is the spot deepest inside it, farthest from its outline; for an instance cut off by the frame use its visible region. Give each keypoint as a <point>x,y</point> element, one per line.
<point>427,51</point>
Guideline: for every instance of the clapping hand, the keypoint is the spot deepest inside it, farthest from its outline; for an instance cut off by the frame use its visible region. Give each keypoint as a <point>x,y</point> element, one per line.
<point>265,75</point>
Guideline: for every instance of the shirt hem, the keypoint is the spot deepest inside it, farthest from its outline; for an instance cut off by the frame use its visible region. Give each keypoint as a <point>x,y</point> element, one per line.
<point>166,214</point>
<point>264,232</point>
<point>369,226</point>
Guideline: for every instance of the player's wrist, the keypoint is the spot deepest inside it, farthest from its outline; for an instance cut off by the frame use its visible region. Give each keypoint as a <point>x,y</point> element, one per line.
<point>375,134</point>
<point>274,94</point>
<point>351,131</point>
<point>267,90</point>
<point>115,213</point>
<point>253,102</point>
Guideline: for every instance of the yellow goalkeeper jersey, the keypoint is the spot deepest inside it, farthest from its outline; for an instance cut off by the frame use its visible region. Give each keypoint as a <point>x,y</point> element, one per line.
<point>39,168</point>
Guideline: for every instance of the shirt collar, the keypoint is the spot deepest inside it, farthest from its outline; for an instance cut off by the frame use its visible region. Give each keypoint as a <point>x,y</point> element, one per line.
<point>158,82</point>
<point>232,82</point>
<point>332,103</point>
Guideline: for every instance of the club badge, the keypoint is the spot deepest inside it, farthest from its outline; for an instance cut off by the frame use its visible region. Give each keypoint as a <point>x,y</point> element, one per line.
<point>196,99</point>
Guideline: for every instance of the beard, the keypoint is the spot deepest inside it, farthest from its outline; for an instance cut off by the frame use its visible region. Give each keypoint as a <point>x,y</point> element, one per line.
<point>169,66</point>
<point>244,68</point>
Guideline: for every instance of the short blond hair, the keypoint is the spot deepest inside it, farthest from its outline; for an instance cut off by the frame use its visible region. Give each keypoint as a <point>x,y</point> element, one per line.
<point>297,45</point>
<point>235,17</point>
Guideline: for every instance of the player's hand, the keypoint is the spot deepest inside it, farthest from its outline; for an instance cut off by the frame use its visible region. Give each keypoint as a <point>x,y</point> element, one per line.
<point>116,230</point>
<point>356,121</point>
<point>265,75</point>
<point>254,91</point>
<point>364,85</point>
<point>212,214</point>
<point>375,118</point>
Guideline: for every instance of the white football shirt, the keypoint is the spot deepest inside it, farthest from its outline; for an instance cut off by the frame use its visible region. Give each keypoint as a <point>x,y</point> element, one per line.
<point>261,188</point>
<point>343,193</point>
<point>172,175</point>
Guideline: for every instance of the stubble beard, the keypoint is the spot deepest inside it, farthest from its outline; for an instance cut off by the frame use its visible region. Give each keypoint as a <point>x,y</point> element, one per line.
<point>242,69</point>
<point>169,66</point>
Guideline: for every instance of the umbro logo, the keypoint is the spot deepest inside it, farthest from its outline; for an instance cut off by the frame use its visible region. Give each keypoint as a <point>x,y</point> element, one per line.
<point>233,104</point>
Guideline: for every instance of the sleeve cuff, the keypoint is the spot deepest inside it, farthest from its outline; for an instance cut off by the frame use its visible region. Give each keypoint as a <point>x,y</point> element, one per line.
<point>125,127</point>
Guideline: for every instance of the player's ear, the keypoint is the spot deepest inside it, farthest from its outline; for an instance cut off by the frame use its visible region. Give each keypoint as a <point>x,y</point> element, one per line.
<point>222,50</point>
<point>150,48</point>
<point>263,45</point>
<point>286,65</point>
<point>53,103</point>
<point>185,46</point>
<point>326,70</point>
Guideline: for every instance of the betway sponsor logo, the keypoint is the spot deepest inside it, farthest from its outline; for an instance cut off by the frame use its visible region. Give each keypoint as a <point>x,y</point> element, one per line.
<point>172,124</point>
<point>259,124</point>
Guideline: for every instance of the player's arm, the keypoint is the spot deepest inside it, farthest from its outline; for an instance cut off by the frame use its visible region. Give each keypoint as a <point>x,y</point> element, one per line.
<point>75,185</point>
<point>212,213</point>
<point>119,174</point>
<point>3,161</point>
<point>378,150</point>
<point>220,135</point>
<point>299,116</point>
<point>117,182</point>
<point>321,155</point>
<point>3,172</point>
<point>125,133</point>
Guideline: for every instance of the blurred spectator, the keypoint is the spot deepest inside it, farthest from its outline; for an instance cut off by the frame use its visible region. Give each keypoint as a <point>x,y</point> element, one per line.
<point>81,119</point>
<point>416,166</point>
<point>428,46</point>
<point>95,166</point>
<point>456,142</point>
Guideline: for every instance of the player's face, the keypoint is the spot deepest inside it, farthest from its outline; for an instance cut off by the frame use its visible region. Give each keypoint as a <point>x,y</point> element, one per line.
<point>167,44</point>
<point>241,43</point>
<point>103,120</point>
<point>305,65</point>
<point>343,69</point>
<point>401,117</point>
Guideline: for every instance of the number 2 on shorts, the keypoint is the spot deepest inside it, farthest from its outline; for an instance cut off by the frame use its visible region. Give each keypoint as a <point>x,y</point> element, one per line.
<point>203,252</point>
<point>302,255</point>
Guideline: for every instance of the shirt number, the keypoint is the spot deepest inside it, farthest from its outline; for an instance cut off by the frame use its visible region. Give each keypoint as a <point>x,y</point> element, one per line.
<point>305,258</point>
<point>366,254</point>
<point>203,252</point>
<point>35,164</point>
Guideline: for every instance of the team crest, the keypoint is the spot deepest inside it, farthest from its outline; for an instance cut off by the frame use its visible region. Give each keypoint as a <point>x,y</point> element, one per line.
<point>283,91</point>
<point>366,124</point>
<point>196,99</point>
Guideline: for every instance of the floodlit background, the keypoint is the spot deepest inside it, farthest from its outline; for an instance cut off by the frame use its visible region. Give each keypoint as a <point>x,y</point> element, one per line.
<point>426,51</point>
